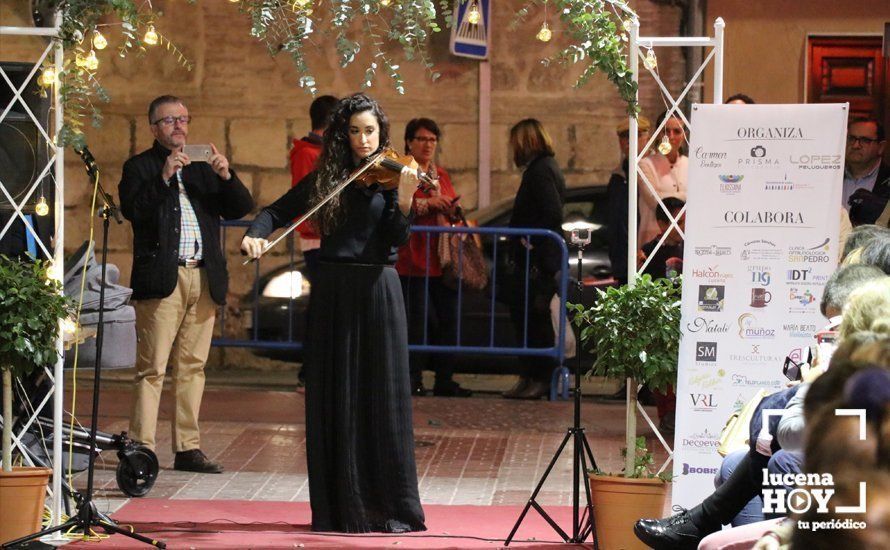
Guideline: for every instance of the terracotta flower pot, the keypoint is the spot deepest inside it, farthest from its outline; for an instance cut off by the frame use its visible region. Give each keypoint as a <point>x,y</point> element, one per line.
<point>22,493</point>
<point>619,502</point>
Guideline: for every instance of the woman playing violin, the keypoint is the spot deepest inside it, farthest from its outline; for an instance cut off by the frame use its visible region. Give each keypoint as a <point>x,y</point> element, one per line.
<point>359,437</point>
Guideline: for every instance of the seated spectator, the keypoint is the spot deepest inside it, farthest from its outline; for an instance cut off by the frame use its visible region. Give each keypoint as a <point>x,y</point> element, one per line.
<point>688,527</point>
<point>861,236</point>
<point>864,168</point>
<point>739,99</point>
<point>663,262</point>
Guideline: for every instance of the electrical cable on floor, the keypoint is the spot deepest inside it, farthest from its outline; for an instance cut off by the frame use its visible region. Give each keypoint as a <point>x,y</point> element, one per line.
<point>190,527</point>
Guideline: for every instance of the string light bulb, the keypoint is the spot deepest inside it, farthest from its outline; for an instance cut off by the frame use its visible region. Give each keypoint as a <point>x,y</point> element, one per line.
<point>651,61</point>
<point>473,14</point>
<point>665,146</point>
<point>544,34</point>
<point>385,3</point>
<point>80,60</point>
<point>151,36</point>
<point>41,208</point>
<point>92,62</point>
<point>99,41</point>
<point>48,77</point>
<point>626,24</point>
<point>301,4</point>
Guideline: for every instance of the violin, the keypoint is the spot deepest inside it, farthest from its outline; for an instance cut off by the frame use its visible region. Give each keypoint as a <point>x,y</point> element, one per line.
<point>386,168</point>
<point>383,169</point>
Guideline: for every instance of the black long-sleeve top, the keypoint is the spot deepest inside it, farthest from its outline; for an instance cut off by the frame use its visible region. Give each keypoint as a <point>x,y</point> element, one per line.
<point>539,204</point>
<point>370,231</point>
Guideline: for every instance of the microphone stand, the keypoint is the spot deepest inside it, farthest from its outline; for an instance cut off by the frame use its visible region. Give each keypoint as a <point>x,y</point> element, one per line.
<point>87,515</point>
<point>583,525</point>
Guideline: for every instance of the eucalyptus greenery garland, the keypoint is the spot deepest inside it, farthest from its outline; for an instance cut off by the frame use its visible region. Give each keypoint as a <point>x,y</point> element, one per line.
<point>368,29</point>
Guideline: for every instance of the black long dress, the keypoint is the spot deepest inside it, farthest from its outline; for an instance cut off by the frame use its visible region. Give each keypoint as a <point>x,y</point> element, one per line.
<point>359,435</point>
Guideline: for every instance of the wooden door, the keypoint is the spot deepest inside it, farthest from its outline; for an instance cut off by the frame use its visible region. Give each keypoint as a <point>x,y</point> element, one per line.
<point>850,69</point>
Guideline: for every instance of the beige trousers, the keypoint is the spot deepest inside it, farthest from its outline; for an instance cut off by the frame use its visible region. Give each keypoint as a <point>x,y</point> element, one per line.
<point>175,330</point>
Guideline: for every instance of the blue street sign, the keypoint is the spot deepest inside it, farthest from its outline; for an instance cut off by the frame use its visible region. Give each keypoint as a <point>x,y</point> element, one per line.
<point>469,34</point>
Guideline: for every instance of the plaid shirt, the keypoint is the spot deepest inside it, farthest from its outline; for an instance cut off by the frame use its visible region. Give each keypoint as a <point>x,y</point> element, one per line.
<point>190,232</point>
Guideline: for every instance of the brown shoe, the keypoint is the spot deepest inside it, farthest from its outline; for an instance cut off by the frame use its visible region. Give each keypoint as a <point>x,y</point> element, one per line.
<point>516,391</point>
<point>535,389</point>
<point>196,461</point>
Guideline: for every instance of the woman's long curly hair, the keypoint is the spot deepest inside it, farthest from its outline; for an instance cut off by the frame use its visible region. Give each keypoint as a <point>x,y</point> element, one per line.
<point>335,162</point>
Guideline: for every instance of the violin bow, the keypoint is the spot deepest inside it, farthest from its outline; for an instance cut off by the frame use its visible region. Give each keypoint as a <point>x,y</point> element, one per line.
<point>352,177</point>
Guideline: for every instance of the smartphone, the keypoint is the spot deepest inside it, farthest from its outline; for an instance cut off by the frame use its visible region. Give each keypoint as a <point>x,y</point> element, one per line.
<point>198,153</point>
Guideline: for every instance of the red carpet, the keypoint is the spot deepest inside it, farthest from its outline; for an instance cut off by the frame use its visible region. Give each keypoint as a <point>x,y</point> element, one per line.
<point>252,524</point>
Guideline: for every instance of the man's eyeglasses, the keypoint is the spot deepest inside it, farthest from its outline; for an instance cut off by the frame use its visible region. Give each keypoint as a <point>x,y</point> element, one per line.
<point>862,140</point>
<point>426,139</point>
<point>170,120</point>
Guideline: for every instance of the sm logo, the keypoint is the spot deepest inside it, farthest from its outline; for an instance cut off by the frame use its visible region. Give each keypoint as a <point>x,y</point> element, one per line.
<point>706,351</point>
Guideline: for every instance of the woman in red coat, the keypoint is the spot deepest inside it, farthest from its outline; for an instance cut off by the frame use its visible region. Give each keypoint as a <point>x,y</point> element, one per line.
<point>433,320</point>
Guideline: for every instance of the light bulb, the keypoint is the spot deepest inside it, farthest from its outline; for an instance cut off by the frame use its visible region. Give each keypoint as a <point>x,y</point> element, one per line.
<point>300,4</point>
<point>651,61</point>
<point>473,15</point>
<point>92,62</point>
<point>234,1</point>
<point>41,208</point>
<point>151,37</point>
<point>47,77</point>
<point>626,24</point>
<point>69,326</point>
<point>545,34</point>
<point>385,3</point>
<point>99,41</point>
<point>665,146</point>
<point>80,60</point>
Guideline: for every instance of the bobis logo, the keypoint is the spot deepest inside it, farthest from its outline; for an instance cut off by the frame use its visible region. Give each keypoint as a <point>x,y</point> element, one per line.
<point>731,184</point>
<point>710,297</point>
<point>750,329</point>
<point>706,352</point>
<point>703,402</point>
<point>697,470</point>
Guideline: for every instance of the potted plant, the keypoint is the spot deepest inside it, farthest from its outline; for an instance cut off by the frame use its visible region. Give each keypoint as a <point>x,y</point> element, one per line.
<point>31,307</point>
<point>635,331</point>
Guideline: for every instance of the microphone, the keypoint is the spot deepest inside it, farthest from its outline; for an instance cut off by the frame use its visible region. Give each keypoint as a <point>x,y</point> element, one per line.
<point>93,171</point>
<point>88,160</point>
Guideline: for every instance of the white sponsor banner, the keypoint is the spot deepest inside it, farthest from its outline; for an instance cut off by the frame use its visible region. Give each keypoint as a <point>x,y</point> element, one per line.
<point>762,226</point>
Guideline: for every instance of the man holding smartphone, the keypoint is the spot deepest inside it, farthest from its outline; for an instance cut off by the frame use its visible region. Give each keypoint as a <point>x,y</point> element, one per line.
<point>179,272</point>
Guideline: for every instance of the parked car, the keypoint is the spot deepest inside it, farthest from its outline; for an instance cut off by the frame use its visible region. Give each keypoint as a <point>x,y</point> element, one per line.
<point>284,292</point>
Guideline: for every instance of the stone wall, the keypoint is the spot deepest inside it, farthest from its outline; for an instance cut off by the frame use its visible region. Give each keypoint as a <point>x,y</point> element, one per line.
<point>247,103</point>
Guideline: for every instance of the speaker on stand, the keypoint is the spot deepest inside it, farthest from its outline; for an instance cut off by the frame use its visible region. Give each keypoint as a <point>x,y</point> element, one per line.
<point>23,155</point>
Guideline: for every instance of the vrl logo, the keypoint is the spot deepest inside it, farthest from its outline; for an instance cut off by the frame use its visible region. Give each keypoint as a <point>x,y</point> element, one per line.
<point>706,351</point>
<point>761,278</point>
<point>703,400</point>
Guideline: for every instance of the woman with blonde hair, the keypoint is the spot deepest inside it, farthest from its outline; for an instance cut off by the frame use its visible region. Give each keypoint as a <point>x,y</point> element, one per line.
<point>538,205</point>
<point>868,309</point>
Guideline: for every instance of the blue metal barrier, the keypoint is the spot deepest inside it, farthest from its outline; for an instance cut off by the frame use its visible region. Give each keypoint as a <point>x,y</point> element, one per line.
<point>559,384</point>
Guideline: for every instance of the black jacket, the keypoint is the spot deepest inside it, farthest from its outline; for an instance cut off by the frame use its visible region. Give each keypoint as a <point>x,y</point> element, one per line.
<point>538,205</point>
<point>152,207</point>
